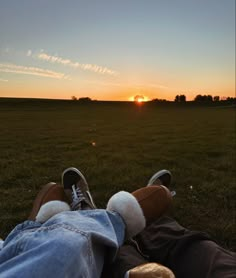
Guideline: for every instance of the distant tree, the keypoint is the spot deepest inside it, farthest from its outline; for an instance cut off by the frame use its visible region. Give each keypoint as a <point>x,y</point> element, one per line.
<point>198,98</point>
<point>177,98</point>
<point>159,100</point>
<point>182,98</point>
<point>203,98</point>
<point>231,99</point>
<point>85,99</point>
<point>74,98</point>
<point>216,98</point>
<point>209,98</point>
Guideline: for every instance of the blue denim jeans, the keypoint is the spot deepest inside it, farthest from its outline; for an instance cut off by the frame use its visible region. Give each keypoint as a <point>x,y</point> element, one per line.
<point>70,244</point>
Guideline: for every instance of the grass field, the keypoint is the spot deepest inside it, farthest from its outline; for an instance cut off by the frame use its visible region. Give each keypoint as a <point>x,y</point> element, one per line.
<point>41,138</point>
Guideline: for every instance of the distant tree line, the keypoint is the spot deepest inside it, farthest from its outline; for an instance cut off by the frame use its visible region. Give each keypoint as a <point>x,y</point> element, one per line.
<point>231,99</point>
<point>159,100</point>
<point>82,99</point>
<point>210,98</point>
<point>205,98</point>
<point>178,98</point>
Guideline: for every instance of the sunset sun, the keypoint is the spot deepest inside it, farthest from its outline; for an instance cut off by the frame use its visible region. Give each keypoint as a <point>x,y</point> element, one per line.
<point>139,99</point>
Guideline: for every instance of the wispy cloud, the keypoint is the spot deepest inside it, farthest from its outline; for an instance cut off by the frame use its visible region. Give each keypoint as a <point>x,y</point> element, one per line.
<point>10,68</point>
<point>76,65</point>
<point>3,80</point>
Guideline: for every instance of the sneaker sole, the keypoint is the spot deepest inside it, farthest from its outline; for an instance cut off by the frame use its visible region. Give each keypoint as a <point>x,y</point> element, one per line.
<point>158,175</point>
<point>73,169</point>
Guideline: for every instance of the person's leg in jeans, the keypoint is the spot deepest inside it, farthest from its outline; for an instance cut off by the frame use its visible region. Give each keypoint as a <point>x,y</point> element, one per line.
<point>62,246</point>
<point>69,244</point>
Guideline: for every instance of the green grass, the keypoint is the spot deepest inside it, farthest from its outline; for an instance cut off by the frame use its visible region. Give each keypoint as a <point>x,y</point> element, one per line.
<point>41,138</point>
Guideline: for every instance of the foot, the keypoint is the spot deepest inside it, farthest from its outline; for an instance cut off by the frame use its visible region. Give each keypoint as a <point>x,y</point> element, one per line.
<point>154,200</point>
<point>141,207</point>
<point>77,189</point>
<point>49,192</point>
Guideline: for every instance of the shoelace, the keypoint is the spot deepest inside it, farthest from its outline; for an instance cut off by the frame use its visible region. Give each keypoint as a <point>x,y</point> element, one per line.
<point>77,198</point>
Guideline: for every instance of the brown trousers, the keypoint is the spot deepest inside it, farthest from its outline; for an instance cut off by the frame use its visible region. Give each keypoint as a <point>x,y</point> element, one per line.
<point>188,254</point>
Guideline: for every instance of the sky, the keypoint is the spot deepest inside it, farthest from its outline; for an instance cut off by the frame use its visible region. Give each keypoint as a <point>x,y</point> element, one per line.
<point>114,50</point>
